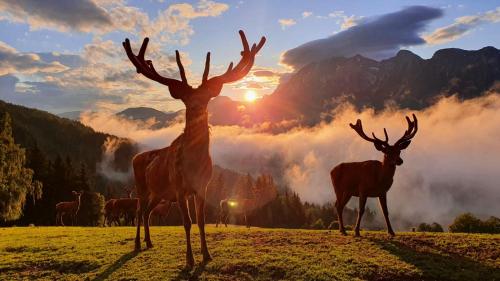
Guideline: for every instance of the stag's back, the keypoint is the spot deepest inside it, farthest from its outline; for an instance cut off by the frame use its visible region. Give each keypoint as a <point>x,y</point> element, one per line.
<point>351,177</point>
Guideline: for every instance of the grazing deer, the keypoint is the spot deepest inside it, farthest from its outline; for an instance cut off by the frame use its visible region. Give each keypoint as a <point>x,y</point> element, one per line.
<point>184,168</point>
<point>126,207</point>
<point>370,178</point>
<point>68,208</point>
<point>110,214</point>
<point>237,206</point>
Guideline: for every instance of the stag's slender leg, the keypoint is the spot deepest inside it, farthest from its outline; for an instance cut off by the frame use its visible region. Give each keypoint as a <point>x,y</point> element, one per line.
<point>140,212</point>
<point>200,219</point>
<point>341,202</point>
<point>186,219</point>
<point>362,203</point>
<point>219,218</point>
<point>147,215</point>
<point>226,218</point>
<point>383,205</point>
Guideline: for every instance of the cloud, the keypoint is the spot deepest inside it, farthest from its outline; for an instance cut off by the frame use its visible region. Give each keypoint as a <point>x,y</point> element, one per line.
<point>84,15</point>
<point>459,138</point>
<point>174,22</point>
<point>265,73</point>
<point>101,77</point>
<point>461,27</point>
<point>306,14</point>
<point>351,21</point>
<point>12,61</point>
<point>344,20</point>
<point>171,25</point>
<point>286,23</point>
<point>378,38</point>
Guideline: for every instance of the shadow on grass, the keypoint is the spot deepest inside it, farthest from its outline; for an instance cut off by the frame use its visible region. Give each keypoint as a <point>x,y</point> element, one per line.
<point>186,274</point>
<point>434,266</point>
<point>115,266</point>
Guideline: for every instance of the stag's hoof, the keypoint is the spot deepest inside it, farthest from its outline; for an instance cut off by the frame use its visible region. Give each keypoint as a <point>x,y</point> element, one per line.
<point>207,258</point>
<point>343,232</point>
<point>357,234</point>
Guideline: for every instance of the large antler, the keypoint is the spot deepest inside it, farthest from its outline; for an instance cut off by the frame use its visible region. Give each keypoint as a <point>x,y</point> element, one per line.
<point>410,132</point>
<point>147,69</point>
<point>358,127</point>
<point>243,66</point>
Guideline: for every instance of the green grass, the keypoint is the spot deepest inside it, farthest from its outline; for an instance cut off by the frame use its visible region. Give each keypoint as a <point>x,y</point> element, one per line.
<point>74,253</point>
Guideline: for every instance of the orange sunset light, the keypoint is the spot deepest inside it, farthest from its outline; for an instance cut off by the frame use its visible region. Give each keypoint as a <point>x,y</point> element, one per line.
<point>250,96</point>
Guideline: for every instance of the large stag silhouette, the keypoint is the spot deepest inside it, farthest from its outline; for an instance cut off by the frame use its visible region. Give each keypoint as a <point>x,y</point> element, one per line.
<point>370,178</point>
<point>184,168</point>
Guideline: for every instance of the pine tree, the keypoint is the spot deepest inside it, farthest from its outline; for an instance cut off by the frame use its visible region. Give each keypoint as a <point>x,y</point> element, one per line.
<point>16,181</point>
<point>82,179</point>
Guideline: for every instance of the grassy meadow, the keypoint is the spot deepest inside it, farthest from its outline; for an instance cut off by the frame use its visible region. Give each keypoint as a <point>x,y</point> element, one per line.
<point>85,253</point>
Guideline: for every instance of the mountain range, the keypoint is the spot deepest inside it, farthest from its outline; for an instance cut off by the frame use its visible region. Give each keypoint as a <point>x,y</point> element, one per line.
<point>406,80</point>
<point>311,93</point>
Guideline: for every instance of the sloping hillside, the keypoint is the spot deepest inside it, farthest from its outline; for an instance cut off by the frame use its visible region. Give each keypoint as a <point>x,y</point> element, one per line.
<point>60,136</point>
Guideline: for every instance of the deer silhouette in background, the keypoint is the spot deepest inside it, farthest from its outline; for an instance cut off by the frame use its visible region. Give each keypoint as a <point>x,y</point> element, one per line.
<point>243,207</point>
<point>126,207</point>
<point>370,178</point>
<point>68,208</point>
<point>184,168</point>
<point>110,214</point>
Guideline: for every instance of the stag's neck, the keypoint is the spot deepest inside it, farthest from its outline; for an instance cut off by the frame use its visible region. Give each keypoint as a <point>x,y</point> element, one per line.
<point>388,171</point>
<point>196,132</point>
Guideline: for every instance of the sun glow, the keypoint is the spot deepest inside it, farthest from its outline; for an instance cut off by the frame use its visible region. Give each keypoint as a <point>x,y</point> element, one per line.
<point>250,96</point>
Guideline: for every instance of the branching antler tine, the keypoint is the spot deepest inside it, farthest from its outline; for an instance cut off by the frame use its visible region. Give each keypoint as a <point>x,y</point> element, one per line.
<point>379,140</point>
<point>207,68</point>
<point>230,67</point>
<point>142,51</point>
<point>252,50</point>
<point>411,131</point>
<point>358,127</point>
<point>180,66</point>
<point>244,41</point>
<point>130,55</point>
<point>261,44</point>
<point>415,126</point>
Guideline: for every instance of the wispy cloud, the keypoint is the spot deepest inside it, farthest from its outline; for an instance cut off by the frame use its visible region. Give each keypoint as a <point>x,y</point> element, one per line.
<point>461,27</point>
<point>286,23</point>
<point>15,62</point>
<point>306,14</point>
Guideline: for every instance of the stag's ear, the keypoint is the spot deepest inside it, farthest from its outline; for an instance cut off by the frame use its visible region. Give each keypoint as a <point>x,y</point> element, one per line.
<point>404,144</point>
<point>379,146</point>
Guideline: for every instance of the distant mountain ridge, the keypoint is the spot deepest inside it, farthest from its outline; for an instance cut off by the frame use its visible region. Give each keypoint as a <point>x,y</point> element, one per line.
<point>161,119</point>
<point>405,80</point>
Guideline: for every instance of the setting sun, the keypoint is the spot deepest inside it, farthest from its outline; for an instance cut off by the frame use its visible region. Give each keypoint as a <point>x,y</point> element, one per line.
<point>250,96</point>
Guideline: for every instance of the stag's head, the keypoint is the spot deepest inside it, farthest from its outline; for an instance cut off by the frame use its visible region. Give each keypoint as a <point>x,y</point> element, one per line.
<point>392,153</point>
<point>196,98</point>
<point>77,194</point>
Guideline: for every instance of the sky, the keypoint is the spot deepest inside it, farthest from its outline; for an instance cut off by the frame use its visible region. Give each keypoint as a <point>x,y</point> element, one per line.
<point>61,56</point>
